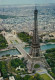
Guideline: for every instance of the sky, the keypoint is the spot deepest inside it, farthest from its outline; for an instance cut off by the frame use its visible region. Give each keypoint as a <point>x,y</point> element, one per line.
<point>7,2</point>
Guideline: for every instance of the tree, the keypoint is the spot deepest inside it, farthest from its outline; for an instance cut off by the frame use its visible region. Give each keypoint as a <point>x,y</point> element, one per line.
<point>18,77</point>
<point>32,78</point>
<point>26,77</point>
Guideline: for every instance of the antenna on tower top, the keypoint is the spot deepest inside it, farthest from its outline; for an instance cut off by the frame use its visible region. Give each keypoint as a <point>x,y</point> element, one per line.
<point>35,4</point>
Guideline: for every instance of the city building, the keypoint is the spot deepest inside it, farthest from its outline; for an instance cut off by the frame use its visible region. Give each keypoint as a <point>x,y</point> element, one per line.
<point>1,78</point>
<point>11,78</point>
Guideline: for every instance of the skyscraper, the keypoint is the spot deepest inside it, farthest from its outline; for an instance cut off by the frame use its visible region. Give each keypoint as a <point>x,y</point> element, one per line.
<point>35,41</point>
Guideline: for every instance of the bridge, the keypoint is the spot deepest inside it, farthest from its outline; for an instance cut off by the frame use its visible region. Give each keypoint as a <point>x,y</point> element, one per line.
<point>21,50</point>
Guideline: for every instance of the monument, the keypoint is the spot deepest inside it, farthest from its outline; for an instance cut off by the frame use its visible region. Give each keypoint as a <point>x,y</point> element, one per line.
<point>35,47</point>
<point>35,54</point>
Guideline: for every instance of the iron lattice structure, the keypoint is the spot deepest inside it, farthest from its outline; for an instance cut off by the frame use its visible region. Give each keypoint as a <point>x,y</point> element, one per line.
<point>35,47</point>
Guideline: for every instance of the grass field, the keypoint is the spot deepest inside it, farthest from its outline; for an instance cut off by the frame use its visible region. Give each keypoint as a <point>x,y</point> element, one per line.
<point>36,66</point>
<point>45,77</point>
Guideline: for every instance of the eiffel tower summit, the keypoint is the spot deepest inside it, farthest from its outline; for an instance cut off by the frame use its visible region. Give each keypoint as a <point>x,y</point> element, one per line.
<point>35,47</point>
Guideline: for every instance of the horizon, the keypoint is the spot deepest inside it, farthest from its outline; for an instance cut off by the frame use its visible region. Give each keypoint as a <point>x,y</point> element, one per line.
<point>25,2</point>
<point>23,5</point>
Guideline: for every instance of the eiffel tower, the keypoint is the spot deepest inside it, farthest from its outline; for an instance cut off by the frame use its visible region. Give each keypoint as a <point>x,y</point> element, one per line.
<point>35,47</point>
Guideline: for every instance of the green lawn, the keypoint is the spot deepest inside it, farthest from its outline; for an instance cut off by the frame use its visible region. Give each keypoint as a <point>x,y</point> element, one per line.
<point>45,77</point>
<point>36,66</point>
<point>16,41</point>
